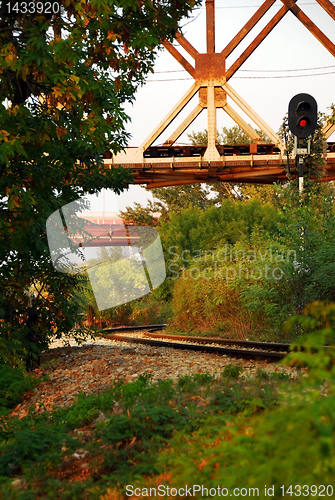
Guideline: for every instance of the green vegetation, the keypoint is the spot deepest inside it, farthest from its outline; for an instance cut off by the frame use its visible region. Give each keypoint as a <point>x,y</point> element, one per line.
<point>234,431</point>
<point>64,81</point>
<point>241,268</point>
<point>13,386</point>
<point>228,136</point>
<point>140,420</point>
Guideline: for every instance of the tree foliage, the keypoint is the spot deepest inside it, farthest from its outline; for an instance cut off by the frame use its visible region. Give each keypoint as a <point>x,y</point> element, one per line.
<point>63,82</point>
<point>228,136</point>
<point>168,199</point>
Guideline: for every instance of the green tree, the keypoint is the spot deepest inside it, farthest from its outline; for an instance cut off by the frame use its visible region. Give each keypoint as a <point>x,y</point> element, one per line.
<point>309,231</point>
<point>168,199</point>
<point>234,135</point>
<point>228,136</point>
<point>64,79</point>
<point>201,138</point>
<point>233,221</point>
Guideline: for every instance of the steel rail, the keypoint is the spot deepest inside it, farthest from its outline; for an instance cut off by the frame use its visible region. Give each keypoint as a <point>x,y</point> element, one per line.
<point>270,351</point>
<point>273,346</point>
<point>270,356</point>
<point>134,328</point>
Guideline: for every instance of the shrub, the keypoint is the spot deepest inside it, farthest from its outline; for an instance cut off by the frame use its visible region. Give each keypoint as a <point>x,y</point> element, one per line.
<point>13,385</point>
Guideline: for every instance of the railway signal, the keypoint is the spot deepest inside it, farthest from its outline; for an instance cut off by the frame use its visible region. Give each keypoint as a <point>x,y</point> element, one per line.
<point>302,115</point>
<point>302,122</point>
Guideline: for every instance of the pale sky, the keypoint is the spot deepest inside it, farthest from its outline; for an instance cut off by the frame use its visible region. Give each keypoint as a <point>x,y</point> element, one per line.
<point>108,201</point>
<point>288,62</point>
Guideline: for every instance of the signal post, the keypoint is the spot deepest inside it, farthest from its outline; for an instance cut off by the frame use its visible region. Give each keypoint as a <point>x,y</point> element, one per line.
<point>302,122</point>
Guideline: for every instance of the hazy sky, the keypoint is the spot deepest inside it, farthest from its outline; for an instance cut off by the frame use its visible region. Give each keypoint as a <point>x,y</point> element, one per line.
<point>108,201</point>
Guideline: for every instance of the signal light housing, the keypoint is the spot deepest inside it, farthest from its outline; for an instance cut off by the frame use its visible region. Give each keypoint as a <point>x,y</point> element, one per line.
<point>302,115</point>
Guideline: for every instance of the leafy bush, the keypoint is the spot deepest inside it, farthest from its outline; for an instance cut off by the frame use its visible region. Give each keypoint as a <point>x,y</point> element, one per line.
<point>234,290</point>
<point>316,349</point>
<point>30,446</point>
<point>293,444</point>
<point>13,385</point>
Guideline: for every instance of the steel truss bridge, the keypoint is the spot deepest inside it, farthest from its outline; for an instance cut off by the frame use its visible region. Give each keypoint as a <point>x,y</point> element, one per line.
<point>258,162</point>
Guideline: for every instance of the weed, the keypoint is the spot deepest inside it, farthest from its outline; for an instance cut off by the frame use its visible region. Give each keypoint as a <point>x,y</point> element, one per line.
<point>186,384</point>
<point>283,376</point>
<point>203,379</point>
<point>14,383</point>
<point>232,371</point>
<point>262,374</point>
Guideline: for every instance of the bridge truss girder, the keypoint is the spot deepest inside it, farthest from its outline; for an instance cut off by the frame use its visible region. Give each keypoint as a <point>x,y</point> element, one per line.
<point>211,82</point>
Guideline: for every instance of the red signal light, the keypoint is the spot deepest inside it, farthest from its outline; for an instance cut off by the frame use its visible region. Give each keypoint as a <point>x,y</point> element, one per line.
<point>302,115</point>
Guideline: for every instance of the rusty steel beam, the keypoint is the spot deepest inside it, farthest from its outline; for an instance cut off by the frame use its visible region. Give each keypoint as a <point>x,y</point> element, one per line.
<point>181,59</point>
<point>259,38</point>
<point>253,168</point>
<point>171,116</point>
<point>306,21</point>
<point>153,185</point>
<point>256,173</point>
<point>183,126</point>
<point>205,175</point>
<point>266,178</point>
<point>328,129</point>
<point>328,7</point>
<point>210,26</point>
<point>186,45</point>
<point>247,27</point>
<point>252,114</point>
<point>242,123</point>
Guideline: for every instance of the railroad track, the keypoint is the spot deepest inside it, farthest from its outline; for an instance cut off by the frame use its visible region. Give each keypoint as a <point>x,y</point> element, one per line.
<point>244,349</point>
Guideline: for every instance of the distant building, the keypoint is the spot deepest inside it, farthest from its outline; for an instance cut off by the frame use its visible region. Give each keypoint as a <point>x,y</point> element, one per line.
<point>107,229</point>
<point>103,218</point>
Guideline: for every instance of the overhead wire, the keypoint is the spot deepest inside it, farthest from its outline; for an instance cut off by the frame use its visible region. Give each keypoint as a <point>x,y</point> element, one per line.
<point>251,77</point>
<point>255,70</point>
<point>251,6</point>
<point>258,70</point>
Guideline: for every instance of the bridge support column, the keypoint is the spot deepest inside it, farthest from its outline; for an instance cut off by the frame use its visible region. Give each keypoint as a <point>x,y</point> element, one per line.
<point>212,153</point>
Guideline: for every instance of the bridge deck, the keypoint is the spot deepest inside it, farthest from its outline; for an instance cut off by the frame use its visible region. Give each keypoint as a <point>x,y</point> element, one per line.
<point>166,166</point>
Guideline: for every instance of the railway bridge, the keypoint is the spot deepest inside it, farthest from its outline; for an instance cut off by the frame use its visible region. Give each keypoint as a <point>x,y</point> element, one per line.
<point>258,162</point>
